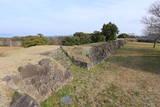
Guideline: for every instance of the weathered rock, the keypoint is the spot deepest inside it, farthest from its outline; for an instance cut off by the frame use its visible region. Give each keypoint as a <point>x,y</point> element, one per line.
<point>41,80</point>
<point>25,101</point>
<point>88,56</point>
<point>74,60</point>
<point>66,100</point>
<point>100,52</point>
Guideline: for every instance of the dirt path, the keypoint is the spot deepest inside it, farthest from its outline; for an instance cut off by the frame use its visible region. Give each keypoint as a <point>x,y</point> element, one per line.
<point>11,59</point>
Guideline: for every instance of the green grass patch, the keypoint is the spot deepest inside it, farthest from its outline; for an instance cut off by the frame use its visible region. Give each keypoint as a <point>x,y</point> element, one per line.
<point>144,58</point>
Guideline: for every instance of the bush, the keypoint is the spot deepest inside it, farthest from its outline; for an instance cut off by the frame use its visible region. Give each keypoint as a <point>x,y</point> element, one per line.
<point>78,38</point>
<point>69,41</point>
<point>79,34</point>
<point>82,38</point>
<point>145,40</point>
<point>123,35</point>
<point>29,41</point>
<point>97,37</point>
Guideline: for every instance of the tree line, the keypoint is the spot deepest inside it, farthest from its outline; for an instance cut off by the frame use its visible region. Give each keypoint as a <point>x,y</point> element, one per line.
<point>107,33</point>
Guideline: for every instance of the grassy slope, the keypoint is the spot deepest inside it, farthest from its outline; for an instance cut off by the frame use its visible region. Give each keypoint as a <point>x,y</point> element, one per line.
<point>129,78</point>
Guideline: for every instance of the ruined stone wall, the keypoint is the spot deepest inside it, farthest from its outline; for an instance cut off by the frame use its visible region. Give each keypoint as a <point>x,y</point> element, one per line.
<point>97,53</point>
<point>74,60</point>
<point>100,52</point>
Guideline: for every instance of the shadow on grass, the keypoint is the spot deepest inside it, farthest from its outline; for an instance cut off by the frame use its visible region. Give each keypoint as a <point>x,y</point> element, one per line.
<point>144,51</point>
<point>143,59</point>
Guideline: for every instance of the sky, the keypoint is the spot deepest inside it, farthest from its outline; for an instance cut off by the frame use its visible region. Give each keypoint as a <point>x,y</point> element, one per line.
<point>64,17</point>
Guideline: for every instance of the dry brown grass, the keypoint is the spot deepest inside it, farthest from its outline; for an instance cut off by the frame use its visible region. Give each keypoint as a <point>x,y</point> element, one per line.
<point>7,49</point>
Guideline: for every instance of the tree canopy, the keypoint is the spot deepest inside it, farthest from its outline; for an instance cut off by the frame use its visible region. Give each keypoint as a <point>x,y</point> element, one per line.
<point>110,31</point>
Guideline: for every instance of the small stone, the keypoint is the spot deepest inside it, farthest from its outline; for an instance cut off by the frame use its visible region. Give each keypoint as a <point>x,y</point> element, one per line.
<point>66,100</point>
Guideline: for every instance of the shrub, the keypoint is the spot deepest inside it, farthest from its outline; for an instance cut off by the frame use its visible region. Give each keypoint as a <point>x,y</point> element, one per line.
<point>82,38</point>
<point>123,35</point>
<point>29,41</point>
<point>97,37</point>
<point>145,40</point>
<point>79,34</point>
<point>69,41</point>
<point>78,38</point>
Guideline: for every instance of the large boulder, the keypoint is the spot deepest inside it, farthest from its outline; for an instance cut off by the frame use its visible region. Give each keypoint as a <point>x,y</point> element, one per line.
<point>41,80</point>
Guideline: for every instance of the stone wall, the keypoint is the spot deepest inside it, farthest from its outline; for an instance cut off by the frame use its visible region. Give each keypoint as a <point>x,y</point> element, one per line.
<point>100,52</point>
<point>96,53</point>
<point>74,60</point>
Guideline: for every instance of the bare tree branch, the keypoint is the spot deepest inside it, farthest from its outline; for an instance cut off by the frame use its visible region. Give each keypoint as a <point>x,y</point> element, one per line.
<point>152,22</point>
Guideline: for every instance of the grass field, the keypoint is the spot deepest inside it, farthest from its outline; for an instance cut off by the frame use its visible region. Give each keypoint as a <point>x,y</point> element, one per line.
<point>129,78</point>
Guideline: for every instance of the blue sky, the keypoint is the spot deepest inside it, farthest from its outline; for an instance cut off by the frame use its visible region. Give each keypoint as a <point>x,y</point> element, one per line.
<point>64,17</point>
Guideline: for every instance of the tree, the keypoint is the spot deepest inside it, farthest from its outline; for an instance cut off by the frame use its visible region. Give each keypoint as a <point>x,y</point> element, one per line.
<point>110,31</point>
<point>97,37</point>
<point>152,22</point>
